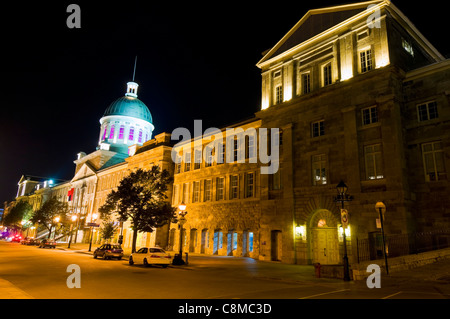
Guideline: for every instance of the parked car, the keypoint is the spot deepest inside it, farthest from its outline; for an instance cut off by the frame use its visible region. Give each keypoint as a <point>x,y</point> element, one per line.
<point>47,243</point>
<point>150,256</point>
<point>30,241</point>
<point>108,251</point>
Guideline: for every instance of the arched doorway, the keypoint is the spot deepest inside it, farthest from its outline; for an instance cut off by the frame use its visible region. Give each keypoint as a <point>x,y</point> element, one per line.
<point>324,238</point>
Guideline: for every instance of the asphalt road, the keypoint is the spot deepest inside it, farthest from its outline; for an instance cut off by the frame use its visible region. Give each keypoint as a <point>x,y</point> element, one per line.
<point>42,274</point>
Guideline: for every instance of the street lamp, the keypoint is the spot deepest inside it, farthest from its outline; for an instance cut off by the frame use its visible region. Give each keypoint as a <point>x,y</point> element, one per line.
<point>74,218</point>
<point>381,208</point>
<point>343,197</point>
<point>178,260</point>
<point>93,217</point>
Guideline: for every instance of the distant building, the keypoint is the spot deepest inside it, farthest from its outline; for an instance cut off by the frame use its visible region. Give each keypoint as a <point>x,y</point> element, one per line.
<point>357,94</point>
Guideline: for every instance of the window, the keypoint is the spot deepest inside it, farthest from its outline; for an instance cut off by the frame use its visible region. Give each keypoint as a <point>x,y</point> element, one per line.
<point>236,149</point>
<point>220,188</point>
<point>250,241</point>
<point>178,164</point>
<point>317,129</point>
<point>196,192</point>
<point>140,136</point>
<point>366,60</point>
<point>407,47</point>
<point>185,193</point>
<point>369,115</point>
<point>207,190</point>
<point>187,162</point>
<point>176,195</point>
<point>249,184</point>
<point>250,151</point>
<point>279,94</point>
<point>104,132</point>
<point>327,74</point>
<point>306,83</point>
<point>111,133</point>
<point>319,170</point>
<point>427,111</point>
<point>374,165</point>
<point>221,153</point>
<point>121,132</point>
<point>275,180</point>
<point>197,158</point>
<point>433,161</point>
<point>234,186</point>
<point>131,134</point>
<point>209,156</point>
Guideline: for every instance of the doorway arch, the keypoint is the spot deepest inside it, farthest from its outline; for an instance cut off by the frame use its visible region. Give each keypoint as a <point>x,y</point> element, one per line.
<point>324,241</point>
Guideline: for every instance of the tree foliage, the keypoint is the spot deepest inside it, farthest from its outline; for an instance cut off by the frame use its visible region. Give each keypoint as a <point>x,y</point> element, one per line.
<point>140,198</point>
<point>52,208</point>
<point>21,211</point>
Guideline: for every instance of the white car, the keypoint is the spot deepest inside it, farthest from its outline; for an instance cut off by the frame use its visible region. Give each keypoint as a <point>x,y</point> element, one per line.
<point>150,256</point>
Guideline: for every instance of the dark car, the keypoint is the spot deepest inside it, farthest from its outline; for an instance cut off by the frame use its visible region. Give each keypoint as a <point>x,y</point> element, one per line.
<point>108,251</point>
<point>47,243</point>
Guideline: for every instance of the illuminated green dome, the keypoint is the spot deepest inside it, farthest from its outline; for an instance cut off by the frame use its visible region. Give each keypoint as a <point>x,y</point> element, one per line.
<point>129,106</point>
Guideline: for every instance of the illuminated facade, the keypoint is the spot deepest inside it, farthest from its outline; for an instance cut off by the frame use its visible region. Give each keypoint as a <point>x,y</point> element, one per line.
<point>357,93</point>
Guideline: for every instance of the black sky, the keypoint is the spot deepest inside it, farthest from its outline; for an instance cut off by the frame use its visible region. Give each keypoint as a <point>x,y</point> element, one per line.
<point>196,60</point>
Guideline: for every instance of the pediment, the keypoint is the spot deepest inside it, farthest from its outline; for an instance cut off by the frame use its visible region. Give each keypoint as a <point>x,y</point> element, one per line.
<point>86,170</point>
<point>313,23</point>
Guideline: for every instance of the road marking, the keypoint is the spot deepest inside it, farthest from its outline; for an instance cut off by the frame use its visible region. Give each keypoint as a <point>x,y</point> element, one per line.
<point>325,293</point>
<point>397,293</point>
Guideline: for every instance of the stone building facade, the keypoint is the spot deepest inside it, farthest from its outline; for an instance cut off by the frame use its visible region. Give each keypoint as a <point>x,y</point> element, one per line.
<point>354,93</point>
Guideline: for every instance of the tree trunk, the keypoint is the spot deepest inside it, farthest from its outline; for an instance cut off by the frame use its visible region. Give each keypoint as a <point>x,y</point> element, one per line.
<point>133,245</point>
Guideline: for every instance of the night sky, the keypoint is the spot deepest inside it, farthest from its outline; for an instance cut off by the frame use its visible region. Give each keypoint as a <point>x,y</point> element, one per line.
<point>195,61</point>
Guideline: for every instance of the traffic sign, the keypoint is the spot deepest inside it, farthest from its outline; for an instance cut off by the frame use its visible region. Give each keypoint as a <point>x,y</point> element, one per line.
<point>344,218</point>
<point>93,225</point>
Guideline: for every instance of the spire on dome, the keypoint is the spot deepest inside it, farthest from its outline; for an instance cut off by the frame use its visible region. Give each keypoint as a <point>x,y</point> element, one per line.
<point>132,86</point>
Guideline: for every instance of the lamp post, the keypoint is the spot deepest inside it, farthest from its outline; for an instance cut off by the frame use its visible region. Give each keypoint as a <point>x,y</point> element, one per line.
<point>343,197</point>
<point>178,260</point>
<point>93,217</point>
<point>74,218</point>
<point>381,208</point>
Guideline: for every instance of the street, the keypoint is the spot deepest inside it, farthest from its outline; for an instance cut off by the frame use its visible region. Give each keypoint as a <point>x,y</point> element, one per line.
<point>42,274</point>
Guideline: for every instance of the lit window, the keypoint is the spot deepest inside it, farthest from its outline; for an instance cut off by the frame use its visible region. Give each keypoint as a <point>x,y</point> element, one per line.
<point>250,242</point>
<point>319,169</point>
<point>104,132</point>
<point>140,136</point>
<point>407,47</point>
<point>374,165</point>
<point>366,60</point>
<point>121,132</point>
<point>433,161</point>
<point>131,134</point>
<point>111,133</point>
<point>427,111</point>
<point>279,94</point>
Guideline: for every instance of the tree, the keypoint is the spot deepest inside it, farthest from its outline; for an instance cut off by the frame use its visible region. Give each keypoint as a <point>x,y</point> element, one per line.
<point>49,210</point>
<point>140,198</point>
<point>108,230</point>
<point>21,211</point>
